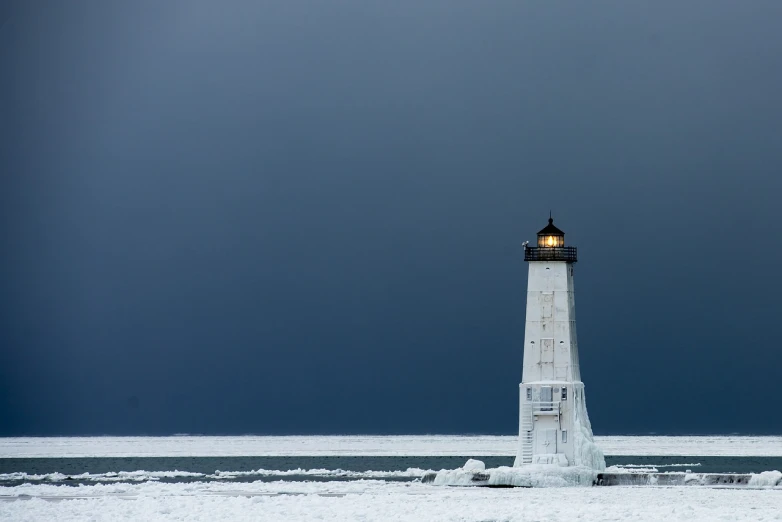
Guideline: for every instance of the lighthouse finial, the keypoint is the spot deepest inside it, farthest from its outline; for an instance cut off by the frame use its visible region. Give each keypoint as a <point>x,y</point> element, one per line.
<point>550,219</point>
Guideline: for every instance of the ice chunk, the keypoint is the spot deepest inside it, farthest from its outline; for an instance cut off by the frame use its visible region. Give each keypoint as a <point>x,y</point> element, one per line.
<point>587,453</point>
<point>766,479</point>
<point>474,465</point>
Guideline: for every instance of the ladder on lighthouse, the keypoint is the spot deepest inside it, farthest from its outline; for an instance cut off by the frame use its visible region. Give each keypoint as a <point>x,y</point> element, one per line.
<point>526,422</point>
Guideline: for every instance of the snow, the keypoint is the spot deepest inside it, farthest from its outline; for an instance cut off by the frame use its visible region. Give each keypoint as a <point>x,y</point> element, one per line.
<point>370,445</point>
<point>710,445</point>
<point>119,476</point>
<point>142,475</point>
<point>371,500</point>
<point>649,468</point>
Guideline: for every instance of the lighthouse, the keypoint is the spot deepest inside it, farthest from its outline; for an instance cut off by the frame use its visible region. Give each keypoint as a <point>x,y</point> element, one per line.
<point>554,427</point>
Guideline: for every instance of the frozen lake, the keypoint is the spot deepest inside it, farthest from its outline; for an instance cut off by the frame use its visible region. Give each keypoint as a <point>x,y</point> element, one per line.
<point>377,445</point>
<point>359,478</point>
<point>380,501</point>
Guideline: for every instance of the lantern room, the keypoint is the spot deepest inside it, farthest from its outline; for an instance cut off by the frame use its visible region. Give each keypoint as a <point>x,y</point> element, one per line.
<point>551,246</point>
<point>551,236</point>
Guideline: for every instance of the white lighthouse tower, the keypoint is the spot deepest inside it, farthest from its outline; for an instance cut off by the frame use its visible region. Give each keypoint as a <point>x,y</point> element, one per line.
<point>554,426</point>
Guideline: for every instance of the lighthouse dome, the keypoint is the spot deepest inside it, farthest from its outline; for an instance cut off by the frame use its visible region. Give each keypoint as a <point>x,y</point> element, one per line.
<point>550,236</point>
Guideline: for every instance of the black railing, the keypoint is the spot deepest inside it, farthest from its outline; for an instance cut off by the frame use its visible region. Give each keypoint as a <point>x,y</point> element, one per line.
<point>550,254</point>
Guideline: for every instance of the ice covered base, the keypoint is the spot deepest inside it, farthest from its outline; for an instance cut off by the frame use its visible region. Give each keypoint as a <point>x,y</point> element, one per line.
<point>474,473</point>
<point>766,479</point>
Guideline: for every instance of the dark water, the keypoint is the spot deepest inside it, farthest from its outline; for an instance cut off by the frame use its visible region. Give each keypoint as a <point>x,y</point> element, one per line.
<point>103,470</point>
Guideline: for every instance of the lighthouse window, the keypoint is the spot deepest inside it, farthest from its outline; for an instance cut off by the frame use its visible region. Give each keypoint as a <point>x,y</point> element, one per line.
<point>564,395</point>
<point>529,394</point>
<point>564,435</point>
<point>546,397</point>
<point>551,241</point>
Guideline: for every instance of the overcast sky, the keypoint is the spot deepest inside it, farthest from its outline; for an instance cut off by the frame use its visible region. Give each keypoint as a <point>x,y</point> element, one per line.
<point>306,216</point>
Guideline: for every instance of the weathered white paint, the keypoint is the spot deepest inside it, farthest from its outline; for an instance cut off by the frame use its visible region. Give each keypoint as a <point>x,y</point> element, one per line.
<point>551,366</point>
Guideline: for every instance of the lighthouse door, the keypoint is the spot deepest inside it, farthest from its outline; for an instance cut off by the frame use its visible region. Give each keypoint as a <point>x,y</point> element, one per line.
<point>547,442</point>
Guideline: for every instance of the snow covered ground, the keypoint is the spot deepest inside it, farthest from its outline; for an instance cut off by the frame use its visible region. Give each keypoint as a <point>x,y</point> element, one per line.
<point>139,495</point>
<point>419,445</point>
<point>376,500</point>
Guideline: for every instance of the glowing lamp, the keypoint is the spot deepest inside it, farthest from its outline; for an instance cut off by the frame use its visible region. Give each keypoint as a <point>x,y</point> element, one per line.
<point>551,236</point>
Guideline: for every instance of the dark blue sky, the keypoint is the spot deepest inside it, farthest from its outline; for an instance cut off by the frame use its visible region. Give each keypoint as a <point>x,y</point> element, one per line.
<point>307,216</point>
